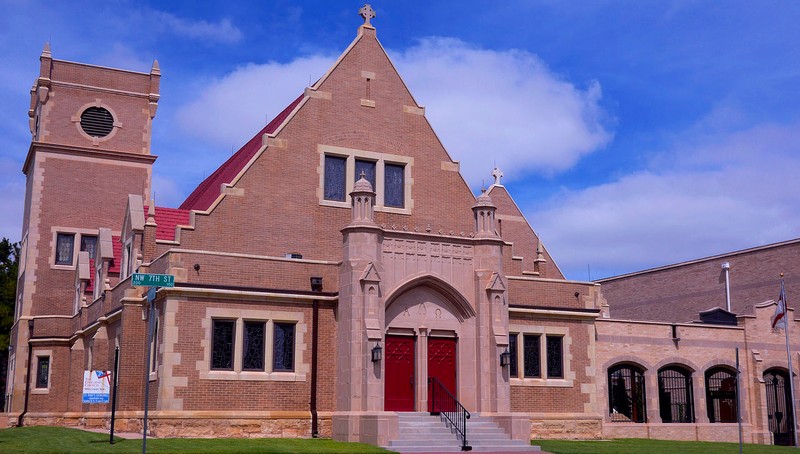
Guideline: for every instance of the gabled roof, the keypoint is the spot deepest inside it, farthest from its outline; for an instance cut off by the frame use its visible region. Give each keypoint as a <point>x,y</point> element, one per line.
<point>209,189</point>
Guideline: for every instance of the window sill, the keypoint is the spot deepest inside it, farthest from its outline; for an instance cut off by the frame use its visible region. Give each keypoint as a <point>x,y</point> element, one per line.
<point>379,208</point>
<point>63,267</point>
<point>40,391</point>
<point>548,382</point>
<point>252,376</point>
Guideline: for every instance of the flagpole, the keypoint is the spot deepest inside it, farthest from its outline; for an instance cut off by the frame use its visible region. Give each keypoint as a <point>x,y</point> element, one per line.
<point>789,358</point>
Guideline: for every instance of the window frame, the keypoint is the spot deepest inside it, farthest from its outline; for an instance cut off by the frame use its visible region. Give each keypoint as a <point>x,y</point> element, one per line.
<point>633,382</point>
<point>672,394</point>
<point>246,349</point>
<point>232,343</point>
<point>520,331</point>
<point>38,381</point>
<point>275,367</point>
<point>714,402</point>
<point>69,238</point>
<point>381,160</point>
<point>77,235</point>
<point>301,368</point>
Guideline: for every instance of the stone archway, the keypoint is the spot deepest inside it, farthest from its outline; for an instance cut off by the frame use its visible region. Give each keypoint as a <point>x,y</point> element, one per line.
<point>437,328</point>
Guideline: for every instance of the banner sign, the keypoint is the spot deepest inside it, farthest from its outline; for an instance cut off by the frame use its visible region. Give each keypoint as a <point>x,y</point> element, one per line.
<point>96,386</point>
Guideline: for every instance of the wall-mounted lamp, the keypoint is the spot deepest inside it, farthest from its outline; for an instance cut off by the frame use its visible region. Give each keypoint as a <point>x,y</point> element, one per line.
<point>377,352</point>
<point>103,295</point>
<point>505,358</point>
<point>197,268</point>
<point>577,294</point>
<point>316,284</point>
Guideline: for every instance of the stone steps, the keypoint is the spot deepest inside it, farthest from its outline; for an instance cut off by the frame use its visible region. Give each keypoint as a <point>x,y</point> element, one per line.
<point>421,432</point>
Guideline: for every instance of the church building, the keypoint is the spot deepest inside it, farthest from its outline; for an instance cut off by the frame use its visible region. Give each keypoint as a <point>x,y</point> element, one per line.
<point>335,277</point>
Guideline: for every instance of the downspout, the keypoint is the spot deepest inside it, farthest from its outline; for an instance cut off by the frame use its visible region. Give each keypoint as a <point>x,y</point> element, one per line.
<point>316,287</point>
<point>314,348</point>
<point>27,374</point>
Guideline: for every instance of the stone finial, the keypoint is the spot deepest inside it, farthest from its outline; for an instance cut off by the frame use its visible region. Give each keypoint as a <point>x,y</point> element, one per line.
<point>151,213</point>
<point>367,13</point>
<point>484,212</point>
<point>363,202</point>
<point>46,50</point>
<point>155,69</point>
<point>497,174</point>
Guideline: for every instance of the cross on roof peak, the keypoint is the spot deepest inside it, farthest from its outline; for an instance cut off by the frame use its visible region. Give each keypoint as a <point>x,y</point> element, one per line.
<point>367,13</point>
<point>497,174</point>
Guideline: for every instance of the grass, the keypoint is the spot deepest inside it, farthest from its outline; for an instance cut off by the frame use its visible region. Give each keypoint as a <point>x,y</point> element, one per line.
<point>65,440</point>
<point>638,446</point>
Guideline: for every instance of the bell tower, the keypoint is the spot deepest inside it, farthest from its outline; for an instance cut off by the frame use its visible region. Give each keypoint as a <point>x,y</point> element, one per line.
<point>90,147</point>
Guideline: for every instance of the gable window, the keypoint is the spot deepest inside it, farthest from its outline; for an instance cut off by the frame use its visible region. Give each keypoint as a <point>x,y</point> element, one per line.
<point>65,244</point>
<point>626,394</point>
<point>532,356</point>
<point>555,367</point>
<point>721,395</point>
<point>222,345</point>
<point>253,346</point>
<point>394,185</point>
<point>335,175</point>
<point>88,244</point>
<point>42,371</point>
<point>283,347</point>
<point>675,395</point>
<point>390,176</point>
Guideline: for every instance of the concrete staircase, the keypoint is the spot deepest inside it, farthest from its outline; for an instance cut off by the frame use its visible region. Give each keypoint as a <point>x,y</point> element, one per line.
<point>421,432</point>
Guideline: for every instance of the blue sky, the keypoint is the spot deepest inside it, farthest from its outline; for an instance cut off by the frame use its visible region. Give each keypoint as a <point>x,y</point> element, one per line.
<point>633,134</point>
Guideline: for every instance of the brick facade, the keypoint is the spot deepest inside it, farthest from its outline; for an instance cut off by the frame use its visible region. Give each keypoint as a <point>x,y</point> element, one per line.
<point>245,246</point>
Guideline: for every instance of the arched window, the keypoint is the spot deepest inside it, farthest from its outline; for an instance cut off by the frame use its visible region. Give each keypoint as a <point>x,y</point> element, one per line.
<point>721,394</point>
<point>675,395</point>
<point>626,394</point>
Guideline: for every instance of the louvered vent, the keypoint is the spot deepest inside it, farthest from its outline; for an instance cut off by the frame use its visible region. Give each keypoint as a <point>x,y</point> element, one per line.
<point>97,122</point>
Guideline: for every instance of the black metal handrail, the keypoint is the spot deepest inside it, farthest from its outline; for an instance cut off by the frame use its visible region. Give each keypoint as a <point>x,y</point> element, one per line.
<point>444,404</point>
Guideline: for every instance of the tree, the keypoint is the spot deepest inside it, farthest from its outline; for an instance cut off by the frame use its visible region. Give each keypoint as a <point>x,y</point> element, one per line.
<point>9,265</point>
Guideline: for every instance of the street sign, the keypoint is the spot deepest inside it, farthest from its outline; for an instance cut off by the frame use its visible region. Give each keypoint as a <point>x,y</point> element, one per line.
<point>153,280</point>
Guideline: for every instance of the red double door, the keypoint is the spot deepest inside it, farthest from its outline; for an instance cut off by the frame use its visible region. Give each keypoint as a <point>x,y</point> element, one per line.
<point>399,357</point>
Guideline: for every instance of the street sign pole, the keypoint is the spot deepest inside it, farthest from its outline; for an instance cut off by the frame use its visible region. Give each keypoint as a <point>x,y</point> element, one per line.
<point>151,296</point>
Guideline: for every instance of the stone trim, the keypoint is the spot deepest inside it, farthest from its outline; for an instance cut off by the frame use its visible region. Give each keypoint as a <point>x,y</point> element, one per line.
<point>76,119</point>
<point>269,317</point>
<point>76,244</point>
<point>351,154</point>
<point>35,368</point>
<point>568,381</point>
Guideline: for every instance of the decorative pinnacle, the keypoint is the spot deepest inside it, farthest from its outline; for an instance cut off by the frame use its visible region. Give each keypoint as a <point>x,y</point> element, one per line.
<point>367,13</point>
<point>46,50</point>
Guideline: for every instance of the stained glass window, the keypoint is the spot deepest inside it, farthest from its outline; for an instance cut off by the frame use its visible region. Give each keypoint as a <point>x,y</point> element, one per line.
<point>555,366</point>
<point>88,243</point>
<point>368,167</point>
<point>64,244</point>
<point>253,346</point>
<point>283,347</point>
<point>394,185</point>
<point>222,345</point>
<point>512,350</point>
<point>532,356</point>
<point>43,372</point>
<point>335,171</point>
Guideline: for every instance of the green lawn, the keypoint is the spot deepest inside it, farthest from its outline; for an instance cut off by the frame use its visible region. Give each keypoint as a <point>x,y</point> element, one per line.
<point>639,446</point>
<point>63,440</point>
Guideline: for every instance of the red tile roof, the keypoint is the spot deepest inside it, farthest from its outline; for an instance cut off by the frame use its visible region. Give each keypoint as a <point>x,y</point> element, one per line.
<point>116,245</point>
<point>167,219</point>
<point>207,192</point>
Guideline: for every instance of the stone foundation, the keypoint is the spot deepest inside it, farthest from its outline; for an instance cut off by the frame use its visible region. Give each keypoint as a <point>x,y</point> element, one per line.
<point>188,424</point>
<point>566,427</point>
<point>727,432</point>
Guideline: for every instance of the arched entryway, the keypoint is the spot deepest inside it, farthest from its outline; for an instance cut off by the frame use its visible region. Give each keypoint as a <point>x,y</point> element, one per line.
<point>780,413</point>
<point>426,336</point>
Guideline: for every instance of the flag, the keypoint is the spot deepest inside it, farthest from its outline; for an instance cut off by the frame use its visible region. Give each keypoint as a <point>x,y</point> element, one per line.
<point>779,317</point>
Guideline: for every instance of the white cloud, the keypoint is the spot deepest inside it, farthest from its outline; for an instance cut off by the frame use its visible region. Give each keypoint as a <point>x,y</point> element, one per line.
<point>230,110</point>
<point>708,195</point>
<point>503,107</point>
<point>223,31</point>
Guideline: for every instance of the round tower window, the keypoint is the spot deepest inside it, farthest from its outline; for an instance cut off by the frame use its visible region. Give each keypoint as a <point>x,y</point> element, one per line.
<point>97,122</point>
